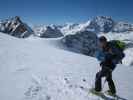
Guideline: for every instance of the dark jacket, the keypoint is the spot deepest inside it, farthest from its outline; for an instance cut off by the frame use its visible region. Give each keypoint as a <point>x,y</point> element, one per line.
<point>109,55</point>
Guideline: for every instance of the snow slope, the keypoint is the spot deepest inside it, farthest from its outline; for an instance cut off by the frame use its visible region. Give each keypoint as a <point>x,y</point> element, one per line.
<point>36,69</point>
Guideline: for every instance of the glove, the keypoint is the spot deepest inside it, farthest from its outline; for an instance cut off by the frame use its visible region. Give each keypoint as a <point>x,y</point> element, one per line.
<point>102,63</point>
<point>105,63</point>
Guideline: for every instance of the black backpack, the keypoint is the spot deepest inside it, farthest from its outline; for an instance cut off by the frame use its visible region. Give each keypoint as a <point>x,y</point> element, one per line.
<point>120,46</point>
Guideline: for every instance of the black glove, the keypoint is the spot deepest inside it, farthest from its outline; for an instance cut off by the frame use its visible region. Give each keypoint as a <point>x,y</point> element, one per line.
<point>105,63</point>
<point>102,63</point>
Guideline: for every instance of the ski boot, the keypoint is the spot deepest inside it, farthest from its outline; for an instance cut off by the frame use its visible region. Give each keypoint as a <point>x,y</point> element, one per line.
<point>108,92</point>
<point>93,91</point>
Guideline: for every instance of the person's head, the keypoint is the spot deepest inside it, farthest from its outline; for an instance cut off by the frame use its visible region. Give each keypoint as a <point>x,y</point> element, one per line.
<point>102,41</point>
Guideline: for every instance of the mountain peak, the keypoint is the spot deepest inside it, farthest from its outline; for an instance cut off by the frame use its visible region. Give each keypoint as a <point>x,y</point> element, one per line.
<point>15,27</point>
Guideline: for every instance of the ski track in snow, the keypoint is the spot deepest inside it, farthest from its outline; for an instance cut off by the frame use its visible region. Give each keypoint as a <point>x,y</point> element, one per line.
<point>35,69</point>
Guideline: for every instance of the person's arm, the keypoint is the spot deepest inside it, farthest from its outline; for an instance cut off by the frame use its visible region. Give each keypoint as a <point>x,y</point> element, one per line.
<point>100,55</point>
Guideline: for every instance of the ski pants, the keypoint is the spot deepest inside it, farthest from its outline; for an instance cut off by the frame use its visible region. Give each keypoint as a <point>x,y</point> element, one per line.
<point>107,73</point>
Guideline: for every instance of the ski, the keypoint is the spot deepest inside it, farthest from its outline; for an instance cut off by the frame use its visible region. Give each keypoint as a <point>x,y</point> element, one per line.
<point>104,95</point>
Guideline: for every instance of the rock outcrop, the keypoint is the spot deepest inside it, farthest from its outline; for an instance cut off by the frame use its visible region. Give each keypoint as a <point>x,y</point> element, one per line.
<point>15,27</point>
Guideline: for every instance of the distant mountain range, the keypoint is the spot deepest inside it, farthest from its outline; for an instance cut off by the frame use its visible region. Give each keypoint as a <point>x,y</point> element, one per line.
<point>100,24</point>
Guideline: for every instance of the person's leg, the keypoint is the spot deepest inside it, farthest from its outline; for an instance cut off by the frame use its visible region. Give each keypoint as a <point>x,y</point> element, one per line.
<point>111,83</point>
<point>98,81</point>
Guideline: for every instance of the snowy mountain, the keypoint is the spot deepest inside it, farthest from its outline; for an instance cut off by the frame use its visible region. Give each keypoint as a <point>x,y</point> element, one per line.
<point>102,24</point>
<point>15,27</point>
<point>51,31</point>
<point>122,27</point>
<point>70,28</point>
<point>37,69</point>
<point>99,24</point>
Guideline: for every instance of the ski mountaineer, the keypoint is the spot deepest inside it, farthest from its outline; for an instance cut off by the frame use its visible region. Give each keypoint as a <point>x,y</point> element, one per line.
<point>110,53</point>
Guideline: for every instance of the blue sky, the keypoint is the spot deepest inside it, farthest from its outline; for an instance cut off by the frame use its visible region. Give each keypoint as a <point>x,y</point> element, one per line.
<point>62,11</point>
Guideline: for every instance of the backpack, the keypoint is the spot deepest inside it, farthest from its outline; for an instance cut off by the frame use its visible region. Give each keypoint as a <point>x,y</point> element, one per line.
<point>118,44</point>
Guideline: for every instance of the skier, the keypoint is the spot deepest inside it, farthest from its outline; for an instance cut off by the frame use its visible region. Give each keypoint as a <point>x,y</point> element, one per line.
<point>109,54</point>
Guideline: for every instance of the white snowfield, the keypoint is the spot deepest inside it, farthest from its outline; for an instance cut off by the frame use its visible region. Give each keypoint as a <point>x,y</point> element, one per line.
<point>36,69</point>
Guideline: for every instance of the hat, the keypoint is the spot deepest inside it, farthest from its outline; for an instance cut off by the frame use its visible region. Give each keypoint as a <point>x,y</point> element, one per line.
<point>102,39</point>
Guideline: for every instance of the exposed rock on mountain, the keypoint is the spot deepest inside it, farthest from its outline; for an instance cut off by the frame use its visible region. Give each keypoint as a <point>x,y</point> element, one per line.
<point>101,24</point>
<point>84,42</point>
<point>15,27</point>
<point>48,31</point>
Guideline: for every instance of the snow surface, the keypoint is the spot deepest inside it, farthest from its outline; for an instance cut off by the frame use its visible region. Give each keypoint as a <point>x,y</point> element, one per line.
<point>36,69</point>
